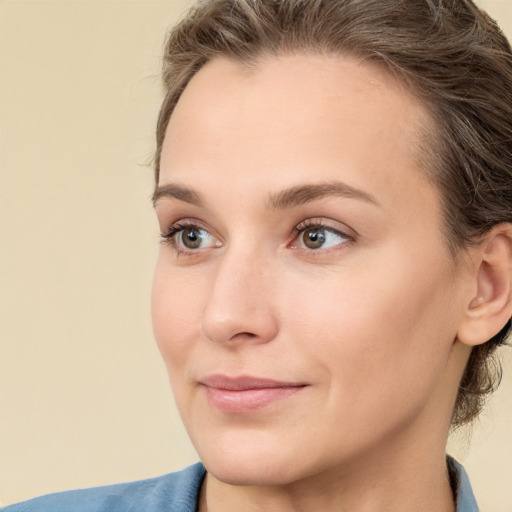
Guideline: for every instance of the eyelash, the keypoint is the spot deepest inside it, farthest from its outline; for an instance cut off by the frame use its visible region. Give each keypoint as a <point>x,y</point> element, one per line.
<point>312,223</point>
<point>168,238</point>
<point>176,228</point>
<point>319,223</point>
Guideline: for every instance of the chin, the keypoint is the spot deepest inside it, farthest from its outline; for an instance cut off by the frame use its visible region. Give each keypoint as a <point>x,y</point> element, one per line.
<point>250,461</point>
<point>242,472</point>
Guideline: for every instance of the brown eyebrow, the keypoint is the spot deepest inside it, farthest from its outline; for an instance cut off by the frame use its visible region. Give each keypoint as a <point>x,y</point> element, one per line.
<point>302,194</point>
<point>177,192</point>
<point>289,198</point>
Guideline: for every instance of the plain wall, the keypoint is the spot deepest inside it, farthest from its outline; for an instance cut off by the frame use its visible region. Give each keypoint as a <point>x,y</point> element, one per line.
<point>84,398</point>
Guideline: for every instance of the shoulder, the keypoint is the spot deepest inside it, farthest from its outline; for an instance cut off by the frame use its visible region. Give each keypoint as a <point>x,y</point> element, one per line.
<point>174,492</point>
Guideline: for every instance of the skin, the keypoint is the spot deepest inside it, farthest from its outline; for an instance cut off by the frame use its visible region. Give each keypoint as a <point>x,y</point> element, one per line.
<point>366,322</point>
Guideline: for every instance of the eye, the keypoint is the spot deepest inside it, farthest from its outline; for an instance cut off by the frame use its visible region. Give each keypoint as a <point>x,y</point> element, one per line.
<point>192,237</point>
<point>312,236</point>
<point>320,238</point>
<point>189,237</point>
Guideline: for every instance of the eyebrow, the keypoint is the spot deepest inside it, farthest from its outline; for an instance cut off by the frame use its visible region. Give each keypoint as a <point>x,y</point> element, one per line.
<point>302,194</point>
<point>288,198</point>
<point>178,192</point>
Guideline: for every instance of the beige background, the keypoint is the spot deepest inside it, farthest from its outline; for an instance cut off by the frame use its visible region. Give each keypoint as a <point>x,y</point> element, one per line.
<point>84,398</point>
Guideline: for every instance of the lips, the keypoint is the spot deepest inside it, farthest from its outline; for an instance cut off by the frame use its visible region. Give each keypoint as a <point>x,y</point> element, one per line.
<point>244,394</point>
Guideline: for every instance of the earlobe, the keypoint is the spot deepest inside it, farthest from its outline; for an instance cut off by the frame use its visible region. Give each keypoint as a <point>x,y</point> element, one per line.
<point>490,308</point>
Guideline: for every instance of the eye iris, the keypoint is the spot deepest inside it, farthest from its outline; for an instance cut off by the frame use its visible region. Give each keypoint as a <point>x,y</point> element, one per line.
<point>314,238</point>
<point>191,237</point>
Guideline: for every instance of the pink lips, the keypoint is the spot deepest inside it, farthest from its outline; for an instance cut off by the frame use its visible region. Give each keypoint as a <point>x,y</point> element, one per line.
<point>244,394</point>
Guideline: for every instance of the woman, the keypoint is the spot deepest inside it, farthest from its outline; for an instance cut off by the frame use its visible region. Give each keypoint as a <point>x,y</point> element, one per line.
<point>333,189</point>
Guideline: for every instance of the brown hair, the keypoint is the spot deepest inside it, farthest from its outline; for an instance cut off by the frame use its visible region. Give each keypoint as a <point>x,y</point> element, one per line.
<point>453,56</point>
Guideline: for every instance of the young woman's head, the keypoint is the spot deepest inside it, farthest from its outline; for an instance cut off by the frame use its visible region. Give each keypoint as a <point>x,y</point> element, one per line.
<point>333,188</point>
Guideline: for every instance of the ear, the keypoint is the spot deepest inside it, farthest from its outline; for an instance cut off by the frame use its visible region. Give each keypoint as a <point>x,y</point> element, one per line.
<point>490,308</point>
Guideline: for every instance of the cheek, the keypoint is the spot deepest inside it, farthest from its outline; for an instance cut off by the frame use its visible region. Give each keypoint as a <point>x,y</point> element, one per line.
<point>175,308</point>
<point>375,328</point>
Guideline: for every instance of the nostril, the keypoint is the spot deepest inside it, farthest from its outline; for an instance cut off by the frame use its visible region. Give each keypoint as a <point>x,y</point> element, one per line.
<point>244,335</point>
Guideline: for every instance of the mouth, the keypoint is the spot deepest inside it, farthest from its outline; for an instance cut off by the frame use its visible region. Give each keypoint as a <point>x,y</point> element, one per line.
<point>243,394</point>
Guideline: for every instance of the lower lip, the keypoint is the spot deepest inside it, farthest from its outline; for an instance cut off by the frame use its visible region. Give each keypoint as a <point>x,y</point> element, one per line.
<point>246,400</point>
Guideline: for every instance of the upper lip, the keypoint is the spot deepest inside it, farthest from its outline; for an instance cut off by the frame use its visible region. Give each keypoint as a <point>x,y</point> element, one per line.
<point>244,382</point>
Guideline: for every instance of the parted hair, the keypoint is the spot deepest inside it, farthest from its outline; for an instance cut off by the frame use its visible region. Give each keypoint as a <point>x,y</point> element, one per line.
<point>451,54</point>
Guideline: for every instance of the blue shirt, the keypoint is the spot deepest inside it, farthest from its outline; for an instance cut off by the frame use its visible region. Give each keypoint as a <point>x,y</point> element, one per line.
<point>175,492</point>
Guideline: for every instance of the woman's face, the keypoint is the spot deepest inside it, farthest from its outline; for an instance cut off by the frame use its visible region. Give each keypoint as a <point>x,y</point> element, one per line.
<point>304,300</point>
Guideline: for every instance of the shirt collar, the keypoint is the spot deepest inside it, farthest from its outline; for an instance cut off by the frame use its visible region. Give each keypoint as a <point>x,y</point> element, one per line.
<point>466,501</point>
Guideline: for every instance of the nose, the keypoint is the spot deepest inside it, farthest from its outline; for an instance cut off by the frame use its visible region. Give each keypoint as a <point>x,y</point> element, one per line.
<point>240,307</point>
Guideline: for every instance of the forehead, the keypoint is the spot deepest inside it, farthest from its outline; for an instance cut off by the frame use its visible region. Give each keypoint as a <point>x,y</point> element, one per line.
<point>303,90</point>
<point>296,118</point>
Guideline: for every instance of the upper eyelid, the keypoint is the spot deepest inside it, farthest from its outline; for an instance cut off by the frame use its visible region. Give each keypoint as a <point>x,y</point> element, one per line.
<point>322,222</point>
<point>185,223</point>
